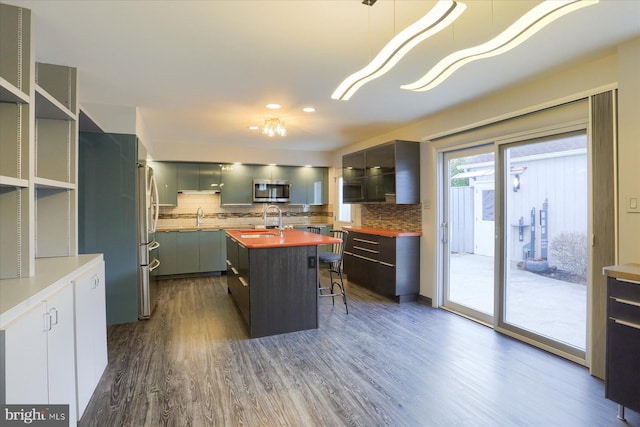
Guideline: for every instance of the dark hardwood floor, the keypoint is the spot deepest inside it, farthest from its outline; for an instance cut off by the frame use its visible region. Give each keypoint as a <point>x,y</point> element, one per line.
<point>382,364</point>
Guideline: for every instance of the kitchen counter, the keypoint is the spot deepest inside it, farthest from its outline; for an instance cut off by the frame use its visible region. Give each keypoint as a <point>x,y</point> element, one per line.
<point>623,271</point>
<point>270,238</point>
<point>382,231</point>
<point>274,280</point>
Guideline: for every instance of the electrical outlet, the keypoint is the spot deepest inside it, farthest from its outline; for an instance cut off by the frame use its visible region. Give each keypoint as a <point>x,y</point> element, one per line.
<point>312,262</point>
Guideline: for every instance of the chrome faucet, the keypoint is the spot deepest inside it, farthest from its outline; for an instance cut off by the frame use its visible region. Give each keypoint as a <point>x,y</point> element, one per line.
<point>199,215</point>
<point>266,211</point>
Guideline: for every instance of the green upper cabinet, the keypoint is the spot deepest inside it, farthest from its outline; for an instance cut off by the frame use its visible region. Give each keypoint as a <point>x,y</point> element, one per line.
<point>273,172</point>
<point>309,186</point>
<point>236,185</point>
<point>166,174</point>
<point>188,176</point>
<point>210,174</point>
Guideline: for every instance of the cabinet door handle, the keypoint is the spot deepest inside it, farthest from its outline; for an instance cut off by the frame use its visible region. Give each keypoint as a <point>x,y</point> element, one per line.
<point>46,317</point>
<point>387,264</point>
<point>234,271</point>
<point>53,315</point>
<point>635,282</point>
<point>365,241</point>
<point>229,263</point>
<point>96,281</point>
<point>366,250</point>
<point>365,258</point>
<point>626,301</point>
<point>625,323</point>
<point>244,282</point>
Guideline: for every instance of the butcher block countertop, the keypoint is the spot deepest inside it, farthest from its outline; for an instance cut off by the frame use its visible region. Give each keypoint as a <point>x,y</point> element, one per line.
<point>261,239</point>
<point>382,231</point>
<point>623,271</point>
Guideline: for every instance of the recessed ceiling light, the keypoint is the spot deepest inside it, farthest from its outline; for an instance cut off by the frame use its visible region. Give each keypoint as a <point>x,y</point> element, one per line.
<point>254,127</point>
<point>273,106</point>
<point>308,109</point>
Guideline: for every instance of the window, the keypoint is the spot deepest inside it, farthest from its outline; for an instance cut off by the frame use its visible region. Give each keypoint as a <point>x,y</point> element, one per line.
<point>344,210</point>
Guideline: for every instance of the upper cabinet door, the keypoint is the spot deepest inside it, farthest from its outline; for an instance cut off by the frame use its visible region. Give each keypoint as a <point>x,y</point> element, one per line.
<point>188,176</point>
<point>380,160</point>
<point>210,176</point>
<point>166,174</point>
<point>237,185</point>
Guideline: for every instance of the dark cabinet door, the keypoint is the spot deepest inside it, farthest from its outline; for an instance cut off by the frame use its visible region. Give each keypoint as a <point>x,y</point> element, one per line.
<point>380,160</point>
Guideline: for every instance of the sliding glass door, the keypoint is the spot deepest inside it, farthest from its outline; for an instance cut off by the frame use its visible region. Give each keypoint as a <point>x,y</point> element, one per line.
<point>545,249</point>
<point>468,232</point>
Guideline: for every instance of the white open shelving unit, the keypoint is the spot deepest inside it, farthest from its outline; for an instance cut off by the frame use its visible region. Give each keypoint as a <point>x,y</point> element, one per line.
<point>38,152</point>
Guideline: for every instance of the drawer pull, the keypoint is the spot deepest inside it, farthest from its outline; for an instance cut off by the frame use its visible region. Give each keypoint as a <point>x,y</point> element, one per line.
<point>365,241</point>
<point>234,270</point>
<point>387,264</point>
<point>365,258</point>
<point>244,282</point>
<point>625,323</point>
<point>635,282</point>
<point>229,263</point>
<point>365,249</point>
<point>626,301</point>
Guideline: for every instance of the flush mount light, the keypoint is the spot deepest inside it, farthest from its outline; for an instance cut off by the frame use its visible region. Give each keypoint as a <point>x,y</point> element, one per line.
<point>438,18</point>
<point>525,27</point>
<point>273,127</point>
<point>273,106</point>
<point>254,127</point>
<point>308,109</point>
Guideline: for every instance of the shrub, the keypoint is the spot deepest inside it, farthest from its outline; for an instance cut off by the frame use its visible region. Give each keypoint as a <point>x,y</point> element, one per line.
<point>571,252</point>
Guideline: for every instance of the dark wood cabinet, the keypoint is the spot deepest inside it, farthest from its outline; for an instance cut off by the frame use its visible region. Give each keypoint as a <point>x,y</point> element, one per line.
<point>388,173</point>
<point>275,289</point>
<point>387,265</point>
<point>622,378</point>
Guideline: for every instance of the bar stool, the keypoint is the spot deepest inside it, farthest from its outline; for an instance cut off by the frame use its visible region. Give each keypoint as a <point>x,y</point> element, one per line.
<point>334,259</point>
<point>315,230</point>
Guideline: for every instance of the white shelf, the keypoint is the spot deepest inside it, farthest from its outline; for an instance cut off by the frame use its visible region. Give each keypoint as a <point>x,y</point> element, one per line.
<point>10,93</point>
<point>9,181</point>
<point>47,107</point>
<point>53,184</point>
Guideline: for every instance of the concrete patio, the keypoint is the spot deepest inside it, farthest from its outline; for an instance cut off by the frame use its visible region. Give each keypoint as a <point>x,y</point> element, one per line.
<point>548,307</point>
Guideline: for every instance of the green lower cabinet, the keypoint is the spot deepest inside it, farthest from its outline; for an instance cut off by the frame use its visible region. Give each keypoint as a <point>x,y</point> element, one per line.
<point>167,252</point>
<point>213,250</point>
<point>187,252</point>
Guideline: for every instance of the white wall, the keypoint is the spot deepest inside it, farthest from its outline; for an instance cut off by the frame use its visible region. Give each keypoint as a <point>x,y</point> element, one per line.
<point>189,152</point>
<point>621,68</point>
<point>628,149</point>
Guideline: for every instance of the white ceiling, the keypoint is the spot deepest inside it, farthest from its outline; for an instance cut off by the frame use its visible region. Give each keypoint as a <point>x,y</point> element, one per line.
<point>202,71</point>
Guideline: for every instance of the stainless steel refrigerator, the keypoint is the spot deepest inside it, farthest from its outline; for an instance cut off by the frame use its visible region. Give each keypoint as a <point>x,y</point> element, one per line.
<point>148,260</point>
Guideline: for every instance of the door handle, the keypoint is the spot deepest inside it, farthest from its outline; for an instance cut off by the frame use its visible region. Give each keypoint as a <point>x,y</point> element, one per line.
<point>444,227</point>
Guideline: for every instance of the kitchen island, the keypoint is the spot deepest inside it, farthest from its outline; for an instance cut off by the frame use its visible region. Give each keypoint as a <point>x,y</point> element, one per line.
<point>273,278</point>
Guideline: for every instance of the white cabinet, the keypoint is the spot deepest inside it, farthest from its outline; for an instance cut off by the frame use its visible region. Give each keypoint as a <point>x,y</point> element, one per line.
<point>91,333</point>
<point>39,359</point>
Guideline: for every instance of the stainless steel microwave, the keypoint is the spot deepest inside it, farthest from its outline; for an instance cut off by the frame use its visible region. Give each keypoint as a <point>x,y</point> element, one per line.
<point>271,191</point>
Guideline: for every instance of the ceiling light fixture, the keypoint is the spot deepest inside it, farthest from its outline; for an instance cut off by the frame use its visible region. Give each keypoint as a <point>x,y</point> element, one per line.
<point>525,27</point>
<point>438,18</point>
<point>273,106</point>
<point>273,127</point>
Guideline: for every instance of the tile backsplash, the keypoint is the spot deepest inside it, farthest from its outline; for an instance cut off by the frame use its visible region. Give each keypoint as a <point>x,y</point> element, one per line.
<point>184,213</point>
<point>397,217</point>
